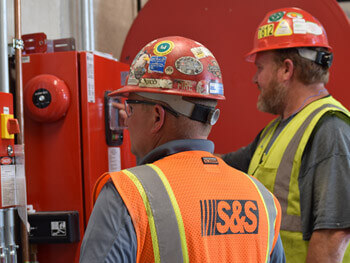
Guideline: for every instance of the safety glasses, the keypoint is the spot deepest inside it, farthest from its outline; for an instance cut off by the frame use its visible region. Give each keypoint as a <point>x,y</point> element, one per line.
<point>129,109</point>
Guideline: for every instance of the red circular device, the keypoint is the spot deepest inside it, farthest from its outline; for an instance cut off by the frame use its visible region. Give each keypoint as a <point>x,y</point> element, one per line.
<point>46,98</point>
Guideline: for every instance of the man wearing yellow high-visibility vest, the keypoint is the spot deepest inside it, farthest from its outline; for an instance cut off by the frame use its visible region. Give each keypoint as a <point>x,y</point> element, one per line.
<point>181,204</point>
<point>303,156</point>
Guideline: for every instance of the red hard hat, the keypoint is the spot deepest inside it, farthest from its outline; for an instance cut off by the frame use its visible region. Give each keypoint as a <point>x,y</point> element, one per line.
<point>287,28</point>
<point>175,66</point>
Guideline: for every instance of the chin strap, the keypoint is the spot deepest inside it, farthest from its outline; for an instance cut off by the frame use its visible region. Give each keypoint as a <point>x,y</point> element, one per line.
<point>322,58</point>
<point>189,109</point>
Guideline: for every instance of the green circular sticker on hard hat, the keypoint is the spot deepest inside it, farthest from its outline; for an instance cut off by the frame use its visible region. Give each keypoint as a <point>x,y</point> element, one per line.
<point>163,48</point>
<point>276,17</point>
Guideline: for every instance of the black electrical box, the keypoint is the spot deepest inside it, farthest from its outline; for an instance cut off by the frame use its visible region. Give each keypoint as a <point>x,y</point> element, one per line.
<point>54,227</point>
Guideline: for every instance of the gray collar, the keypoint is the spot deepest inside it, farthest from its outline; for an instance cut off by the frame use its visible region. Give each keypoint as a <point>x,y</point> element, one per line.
<point>177,146</point>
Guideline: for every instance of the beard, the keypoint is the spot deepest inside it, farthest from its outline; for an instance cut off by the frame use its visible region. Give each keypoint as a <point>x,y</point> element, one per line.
<point>273,98</point>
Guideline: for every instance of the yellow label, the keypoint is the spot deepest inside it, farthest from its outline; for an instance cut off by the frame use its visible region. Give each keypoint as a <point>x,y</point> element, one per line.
<point>265,31</point>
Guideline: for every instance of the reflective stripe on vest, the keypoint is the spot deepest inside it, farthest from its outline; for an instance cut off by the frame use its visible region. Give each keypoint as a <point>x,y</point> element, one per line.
<point>271,211</point>
<point>164,217</point>
<point>284,173</point>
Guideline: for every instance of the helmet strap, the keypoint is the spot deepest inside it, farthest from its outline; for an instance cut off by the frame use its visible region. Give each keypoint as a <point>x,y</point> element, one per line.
<point>189,109</point>
<point>322,58</point>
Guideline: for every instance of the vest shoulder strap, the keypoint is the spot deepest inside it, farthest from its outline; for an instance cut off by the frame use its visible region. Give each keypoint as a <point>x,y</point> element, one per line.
<point>273,211</point>
<point>293,153</point>
<point>165,221</point>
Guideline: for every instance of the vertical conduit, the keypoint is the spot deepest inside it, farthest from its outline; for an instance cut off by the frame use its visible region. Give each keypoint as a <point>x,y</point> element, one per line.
<point>3,256</point>
<point>20,117</point>
<point>4,69</point>
<point>87,25</point>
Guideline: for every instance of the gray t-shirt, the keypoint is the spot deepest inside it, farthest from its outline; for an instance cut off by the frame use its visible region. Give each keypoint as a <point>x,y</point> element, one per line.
<point>324,177</point>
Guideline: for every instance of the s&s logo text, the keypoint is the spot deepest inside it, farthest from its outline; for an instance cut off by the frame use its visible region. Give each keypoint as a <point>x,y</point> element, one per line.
<point>225,217</point>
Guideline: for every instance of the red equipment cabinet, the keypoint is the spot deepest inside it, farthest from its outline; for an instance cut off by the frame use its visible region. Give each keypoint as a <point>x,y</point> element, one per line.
<point>66,149</point>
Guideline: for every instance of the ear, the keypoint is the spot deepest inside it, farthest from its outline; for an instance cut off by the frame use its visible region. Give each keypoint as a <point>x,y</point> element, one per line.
<point>157,118</point>
<point>286,71</point>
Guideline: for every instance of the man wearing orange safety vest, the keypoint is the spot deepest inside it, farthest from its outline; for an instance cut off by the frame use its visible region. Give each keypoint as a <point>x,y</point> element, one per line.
<point>181,203</point>
<point>303,156</point>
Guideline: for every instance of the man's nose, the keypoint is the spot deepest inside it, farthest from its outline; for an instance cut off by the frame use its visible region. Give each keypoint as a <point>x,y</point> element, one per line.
<point>255,78</point>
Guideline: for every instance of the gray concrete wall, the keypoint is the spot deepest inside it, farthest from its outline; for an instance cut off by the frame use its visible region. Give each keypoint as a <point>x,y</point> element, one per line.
<point>60,19</point>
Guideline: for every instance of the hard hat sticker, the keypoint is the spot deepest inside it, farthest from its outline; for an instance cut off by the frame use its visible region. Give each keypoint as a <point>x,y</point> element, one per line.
<point>201,52</point>
<point>214,69</point>
<point>156,83</point>
<point>169,70</point>
<point>313,28</point>
<point>139,72</point>
<point>138,68</point>
<point>189,66</point>
<point>203,87</point>
<point>265,31</point>
<point>185,85</point>
<point>276,17</point>
<point>142,54</point>
<point>216,88</point>
<point>132,81</point>
<point>283,29</point>
<point>157,64</point>
<point>299,26</point>
<point>294,15</point>
<point>163,48</point>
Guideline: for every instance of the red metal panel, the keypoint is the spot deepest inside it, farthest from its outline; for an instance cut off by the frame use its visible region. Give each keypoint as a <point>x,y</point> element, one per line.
<point>227,28</point>
<point>95,150</point>
<point>65,157</point>
<point>6,100</point>
<point>53,153</point>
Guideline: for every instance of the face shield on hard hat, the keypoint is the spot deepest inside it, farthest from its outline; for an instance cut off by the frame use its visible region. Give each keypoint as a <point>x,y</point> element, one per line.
<point>291,28</point>
<point>171,69</point>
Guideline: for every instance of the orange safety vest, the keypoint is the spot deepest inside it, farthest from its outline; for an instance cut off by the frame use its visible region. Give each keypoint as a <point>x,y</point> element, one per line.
<point>191,206</point>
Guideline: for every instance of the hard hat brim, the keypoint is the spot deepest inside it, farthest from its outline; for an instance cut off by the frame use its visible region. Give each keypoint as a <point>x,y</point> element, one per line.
<point>126,90</point>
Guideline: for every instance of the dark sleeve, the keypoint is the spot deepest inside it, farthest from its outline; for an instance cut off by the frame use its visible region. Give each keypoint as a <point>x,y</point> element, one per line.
<point>277,255</point>
<point>110,235</point>
<point>324,178</point>
<point>240,159</point>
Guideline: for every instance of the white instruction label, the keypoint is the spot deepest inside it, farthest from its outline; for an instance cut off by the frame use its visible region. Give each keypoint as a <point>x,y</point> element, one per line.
<point>26,59</point>
<point>8,185</point>
<point>90,74</point>
<point>114,164</point>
